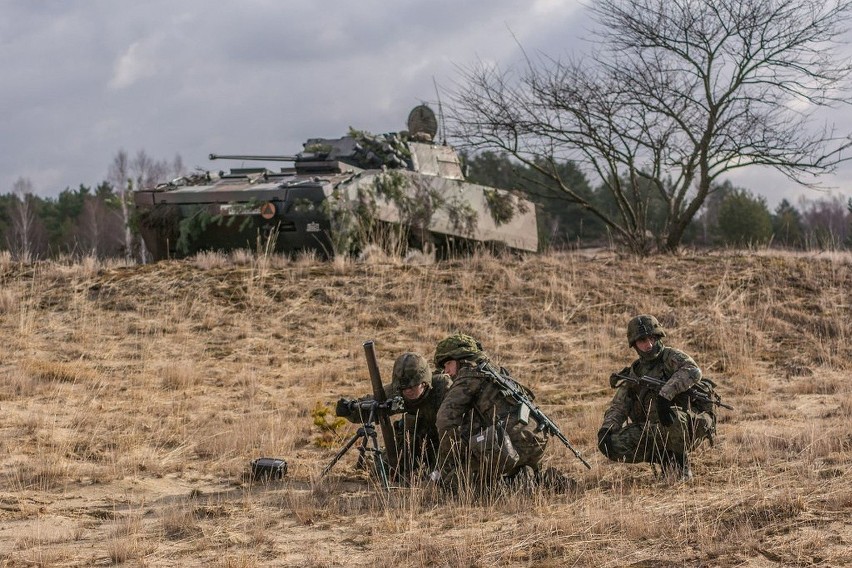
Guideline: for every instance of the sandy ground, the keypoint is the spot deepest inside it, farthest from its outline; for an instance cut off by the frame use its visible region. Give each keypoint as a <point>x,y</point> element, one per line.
<point>134,398</point>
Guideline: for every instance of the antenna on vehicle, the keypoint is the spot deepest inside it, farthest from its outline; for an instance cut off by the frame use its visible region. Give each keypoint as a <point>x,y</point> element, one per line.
<point>440,113</point>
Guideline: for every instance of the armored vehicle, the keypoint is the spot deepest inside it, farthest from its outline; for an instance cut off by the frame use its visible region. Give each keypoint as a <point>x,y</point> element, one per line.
<point>339,194</point>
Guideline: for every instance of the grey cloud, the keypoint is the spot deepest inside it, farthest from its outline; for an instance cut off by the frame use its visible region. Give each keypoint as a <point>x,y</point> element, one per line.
<point>85,79</point>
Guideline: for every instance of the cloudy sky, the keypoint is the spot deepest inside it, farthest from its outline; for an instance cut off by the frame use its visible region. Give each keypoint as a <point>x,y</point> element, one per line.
<point>82,80</point>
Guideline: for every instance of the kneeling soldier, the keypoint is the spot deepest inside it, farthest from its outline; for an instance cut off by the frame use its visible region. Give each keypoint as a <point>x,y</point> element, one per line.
<point>476,415</point>
<point>416,433</point>
<point>642,425</point>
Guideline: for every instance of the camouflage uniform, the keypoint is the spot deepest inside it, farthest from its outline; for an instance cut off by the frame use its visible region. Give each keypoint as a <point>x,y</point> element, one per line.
<point>473,403</point>
<point>415,433</point>
<point>648,436</point>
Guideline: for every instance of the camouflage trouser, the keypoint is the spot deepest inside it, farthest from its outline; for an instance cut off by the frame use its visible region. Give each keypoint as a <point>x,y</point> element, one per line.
<point>529,444</point>
<point>466,469</point>
<point>652,441</point>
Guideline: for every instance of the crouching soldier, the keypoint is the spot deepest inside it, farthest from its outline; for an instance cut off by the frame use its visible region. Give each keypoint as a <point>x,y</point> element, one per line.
<point>657,425</point>
<point>415,433</point>
<point>483,436</point>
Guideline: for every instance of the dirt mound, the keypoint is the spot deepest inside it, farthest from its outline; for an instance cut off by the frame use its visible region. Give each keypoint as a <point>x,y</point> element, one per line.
<point>135,397</point>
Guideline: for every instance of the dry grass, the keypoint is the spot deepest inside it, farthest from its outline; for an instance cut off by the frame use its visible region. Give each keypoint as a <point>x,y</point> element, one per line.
<point>134,398</point>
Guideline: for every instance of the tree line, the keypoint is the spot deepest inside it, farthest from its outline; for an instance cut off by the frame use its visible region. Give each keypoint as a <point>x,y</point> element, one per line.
<point>730,216</point>
<point>79,221</point>
<point>84,221</point>
<point>100,221</point>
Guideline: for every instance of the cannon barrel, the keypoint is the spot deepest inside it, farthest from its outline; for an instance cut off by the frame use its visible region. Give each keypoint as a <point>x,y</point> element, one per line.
<point>255,158</point>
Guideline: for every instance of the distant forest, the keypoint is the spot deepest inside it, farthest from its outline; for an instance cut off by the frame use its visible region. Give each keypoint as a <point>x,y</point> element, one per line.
<point>731,216</point>
<point>99,221</point>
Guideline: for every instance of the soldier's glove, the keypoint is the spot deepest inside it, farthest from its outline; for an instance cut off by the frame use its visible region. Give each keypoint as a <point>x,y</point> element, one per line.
<point>615,379</point>
<point>664,411</point>
<point>342,408</point>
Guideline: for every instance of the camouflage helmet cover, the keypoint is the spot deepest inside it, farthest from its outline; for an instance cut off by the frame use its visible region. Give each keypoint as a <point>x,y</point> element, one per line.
<point>643,326</point>
<point>409,370</point>
<point>456,347</point>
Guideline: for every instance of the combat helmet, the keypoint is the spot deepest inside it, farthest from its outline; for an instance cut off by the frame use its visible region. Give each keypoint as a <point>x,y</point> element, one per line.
<point>643,326</point>
<point>457,347</point>
<point>409,370</point>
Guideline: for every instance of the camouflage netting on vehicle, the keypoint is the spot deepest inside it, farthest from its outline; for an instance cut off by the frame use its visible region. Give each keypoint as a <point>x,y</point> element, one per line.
<point>355,223</point>
<point>372,151</point>
<point>197,178</point>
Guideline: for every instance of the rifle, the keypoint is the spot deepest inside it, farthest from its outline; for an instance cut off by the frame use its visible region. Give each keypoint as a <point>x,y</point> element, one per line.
<point>653,384</point>
<point>515,393</point>
<point>380,397</point>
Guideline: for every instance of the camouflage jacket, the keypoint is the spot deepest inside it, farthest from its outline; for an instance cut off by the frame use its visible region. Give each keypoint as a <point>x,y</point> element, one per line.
<point>472,399</point>
<point>422,415</point>
<point>678,369</point>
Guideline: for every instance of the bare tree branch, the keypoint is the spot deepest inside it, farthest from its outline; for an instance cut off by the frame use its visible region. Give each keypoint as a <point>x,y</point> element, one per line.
<point>679,93</point>
<point>23,217</point>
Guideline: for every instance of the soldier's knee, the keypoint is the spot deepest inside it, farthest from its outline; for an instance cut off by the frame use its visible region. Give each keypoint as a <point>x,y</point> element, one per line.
<point>605,442</point>
<point>605,447</point>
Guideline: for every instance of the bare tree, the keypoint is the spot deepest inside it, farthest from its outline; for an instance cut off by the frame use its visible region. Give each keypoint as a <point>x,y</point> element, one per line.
<point>128,175</point>
<point>119,177</point>
<point>23,217</point>
<point>826,221</point>
<point>678,93</point>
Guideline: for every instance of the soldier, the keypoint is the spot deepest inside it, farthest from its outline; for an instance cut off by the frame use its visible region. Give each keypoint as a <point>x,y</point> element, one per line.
<point>663,428</point>
<point>475,412</point>
<point>416,433</point>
